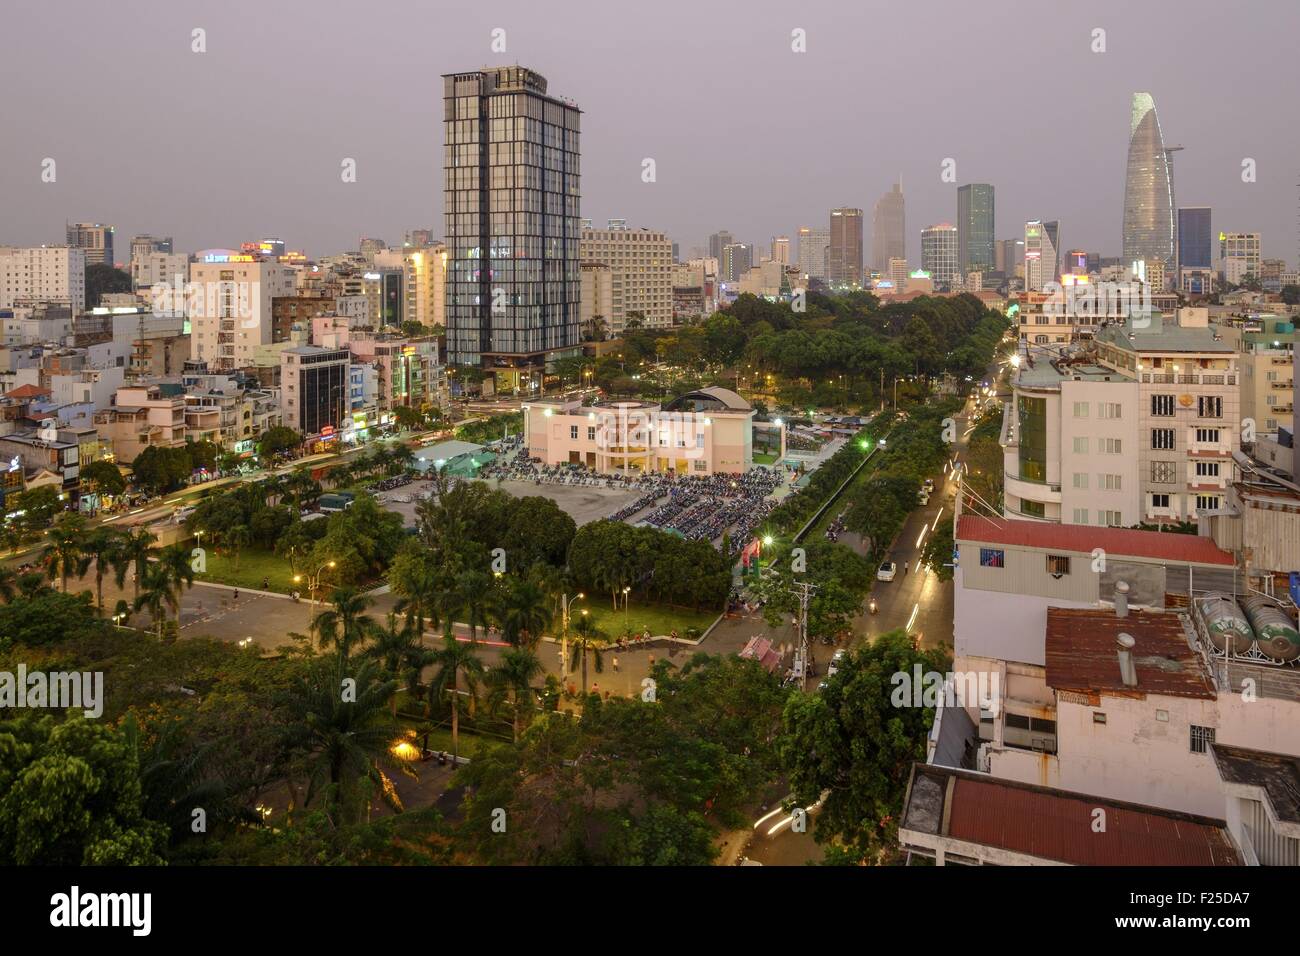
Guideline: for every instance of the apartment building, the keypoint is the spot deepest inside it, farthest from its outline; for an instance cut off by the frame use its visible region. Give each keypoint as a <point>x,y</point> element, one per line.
<point>1108,672</point>
<point>1137,424</point>
<point>143,416</point>
<point>641,275</point>
<point>1265,346</point>
<point>314,388</point>
<point>48,274</point>
<point>231,308</point>
<point>1239,256</point>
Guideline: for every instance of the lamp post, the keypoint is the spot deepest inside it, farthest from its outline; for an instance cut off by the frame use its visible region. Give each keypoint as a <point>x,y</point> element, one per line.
<point>627,592</point>
<point>313,581</point>
<point>566,604</point>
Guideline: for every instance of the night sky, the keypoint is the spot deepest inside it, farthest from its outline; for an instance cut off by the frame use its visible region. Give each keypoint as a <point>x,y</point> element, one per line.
<point>246,140</point>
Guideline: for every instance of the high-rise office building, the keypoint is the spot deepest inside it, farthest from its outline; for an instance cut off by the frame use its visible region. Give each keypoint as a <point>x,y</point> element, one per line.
<point>719,241</point>
<point>975,226</point>
<point>844,261</point>
<point>1148,188</point>
<point>1239,256</point>
<point>1195,240</point>
<point>95,238</point>
<point>1009,256</point>
<point>888,229</point>
<point>939,253</point>
<point>641,274</point>
<point>1042,256</point>
<point>812,251</point>
<point>511,200</point>
<point>781,250</point>
<point>737,259</point>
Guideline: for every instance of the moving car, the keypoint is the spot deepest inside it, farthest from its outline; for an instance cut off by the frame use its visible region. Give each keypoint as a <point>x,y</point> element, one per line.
<point>887,571</point>
<point>923,496</point>
<point>928,486</point>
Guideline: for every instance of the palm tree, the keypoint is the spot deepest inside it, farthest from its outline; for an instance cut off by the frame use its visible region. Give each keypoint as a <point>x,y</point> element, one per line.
<point>136,550</point>
<point>523,613</point>
<point>589,640</point>
<point>456,660</point>
<point>156,595</point>
<point>178,571</point>
<point>237,538</point>
<point>345,624</point>
<point>102,546</point>
<point>475,589</point>
<point>511,682</point>
<point>419,593</point>
<point>344,736</point>
<point>400,650</point>
<point>66,555</point>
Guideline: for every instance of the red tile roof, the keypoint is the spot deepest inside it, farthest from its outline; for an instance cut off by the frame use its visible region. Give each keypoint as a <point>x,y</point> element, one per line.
<point>27,391</point>
<point>1082,654</point>
<point>1058,825</point>
<point>1125,542</point>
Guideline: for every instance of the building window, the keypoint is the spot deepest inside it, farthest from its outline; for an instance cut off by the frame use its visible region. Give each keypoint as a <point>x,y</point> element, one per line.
<point>1201,737</point>
<point>1098,717</point>
<point>1162,405</point>
<point>1080,515</point>
<point>1209,406</point>
<point>1111,519</point>
<point>573,431</point>
<point>1207,502</point>
<point>992,558</point>
<point>1207,469</point>
<point>1208,435</point>
<point>1164,472</point>
<point>591,433</point>
<point>1033,509</point>
<point>1110,446</point>
<point>1159,501</point>
<point>1162,439</point>
<point>1110,410</point>
<point>1081,446</point>
<point>1080,409</point>
<point>1058,564</point>
<point>1081,480</point>
<point>1110,482</point>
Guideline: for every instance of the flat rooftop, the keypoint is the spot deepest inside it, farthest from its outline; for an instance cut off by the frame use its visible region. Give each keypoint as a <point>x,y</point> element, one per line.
<point>1083,539</point>
<point>1082,654</point>
<point>969,812</point>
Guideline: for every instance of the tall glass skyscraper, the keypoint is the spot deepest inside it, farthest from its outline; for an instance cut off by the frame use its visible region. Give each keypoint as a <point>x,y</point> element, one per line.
<point>510,180</point>
<point>975,228</point>
<point>1195,241</point>
<point>1148,189</point>
<point>888,229</point>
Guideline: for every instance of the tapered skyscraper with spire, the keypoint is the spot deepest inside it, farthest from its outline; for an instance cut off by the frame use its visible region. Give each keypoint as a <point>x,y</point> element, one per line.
<point>1149,206</point>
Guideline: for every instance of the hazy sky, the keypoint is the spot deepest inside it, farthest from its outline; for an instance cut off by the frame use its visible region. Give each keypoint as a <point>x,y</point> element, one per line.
<point>246,140</point>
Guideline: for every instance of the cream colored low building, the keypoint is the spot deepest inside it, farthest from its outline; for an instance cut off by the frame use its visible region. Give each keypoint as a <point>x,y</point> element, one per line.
<point>706,432</point>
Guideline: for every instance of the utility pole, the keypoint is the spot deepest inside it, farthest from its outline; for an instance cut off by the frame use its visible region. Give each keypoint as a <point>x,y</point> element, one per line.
<point>804,654</point>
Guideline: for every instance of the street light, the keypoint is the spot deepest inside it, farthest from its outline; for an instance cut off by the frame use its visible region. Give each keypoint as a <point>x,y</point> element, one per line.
<point>566,605</point>
<point>313,581</point>
<point>626,592</point>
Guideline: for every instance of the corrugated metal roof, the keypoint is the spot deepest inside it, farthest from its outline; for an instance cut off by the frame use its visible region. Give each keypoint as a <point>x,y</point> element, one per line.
<point>1083,539</point>
<point>1082,654</point>
<point>1059,826</point>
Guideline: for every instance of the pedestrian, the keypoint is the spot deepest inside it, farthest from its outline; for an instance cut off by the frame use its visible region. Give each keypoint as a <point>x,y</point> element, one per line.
<point>616,665</point>
<point>236,594</point>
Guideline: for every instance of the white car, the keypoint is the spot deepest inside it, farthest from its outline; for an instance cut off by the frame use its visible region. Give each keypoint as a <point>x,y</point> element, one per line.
<point>923,497</point>
<point>887,571</point>
<point>928,486</point>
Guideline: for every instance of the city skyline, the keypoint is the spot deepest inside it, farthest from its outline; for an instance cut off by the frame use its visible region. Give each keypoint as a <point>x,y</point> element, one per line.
<point>281,169</point>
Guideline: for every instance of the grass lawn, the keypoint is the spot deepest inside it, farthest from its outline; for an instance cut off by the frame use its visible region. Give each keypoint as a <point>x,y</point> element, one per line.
<point>660,619</point>
<point>255,565</point>
<point>761,458</point>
